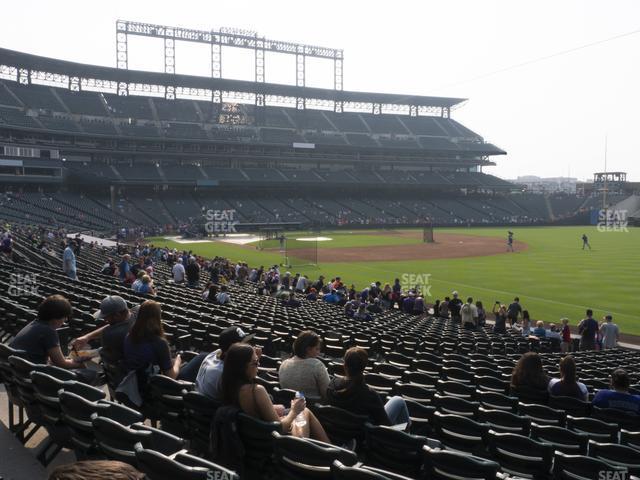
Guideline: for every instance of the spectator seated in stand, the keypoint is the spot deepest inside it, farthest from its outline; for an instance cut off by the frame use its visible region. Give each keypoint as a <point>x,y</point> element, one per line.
<point>210,372</point>
<point>539,331</point>
<point>618,397</point>
<point>145,345</point>
<point>353,394</point>
<point>223,296</point>
<point>292,301</point>
<point>39,339</point>
<point>146,285</point>
<point>239,389</point>
<point>362,314</point>
<point>210,292</point>
<point>178,272</point>
<point>115,312</point>
<point>567,385</point>
<point>303,371</point>
<point>528,374</point>
<point>135,286</point>
<point>332,297</point>
<point>375,306</point>
<point>192,272</point>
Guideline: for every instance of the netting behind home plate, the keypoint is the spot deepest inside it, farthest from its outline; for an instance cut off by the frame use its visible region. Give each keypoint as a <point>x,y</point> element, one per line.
<point>300,251</point>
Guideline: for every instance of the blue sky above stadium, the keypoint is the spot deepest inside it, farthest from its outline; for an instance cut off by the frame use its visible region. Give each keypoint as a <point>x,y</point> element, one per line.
<point>550,114</point>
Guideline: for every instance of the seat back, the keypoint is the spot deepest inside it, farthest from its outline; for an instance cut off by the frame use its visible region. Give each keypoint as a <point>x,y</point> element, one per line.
<point>76,412</point>
<point>448,465</point>
<point>505,422</point>
<point>256,436</point>
<point>22,369</point>
<point>543,415</point>
<point>341,425</point>
<point>460,433</point>
<point>579,467</point>
<point>363,472</point>
<point>304,458</point>
<point>199,411</point>
<point>630,439</point>
<point>563,439</point>
<point>571,406</point>
<point>161,441</point>
<point>167,403</point>
<point>417,393</point>
<point>615,454</point>
<point>118,441</point>
<point>520,455</point>
<point>157,466</point>
<point>490,383</point>
<point>394,450</point>
<point>624,419</point>
<point>456,389</point>
<point>595,429</point>
<point>119,413</point>
<point>87,392</point>
<point>7,373</point>
<point>421,417</point>
<point>455,406</point>
<point>45,388</point>
<point>498,401</point>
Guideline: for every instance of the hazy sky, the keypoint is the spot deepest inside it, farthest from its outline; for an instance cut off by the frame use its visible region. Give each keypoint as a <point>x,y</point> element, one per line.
<point>551,116</point>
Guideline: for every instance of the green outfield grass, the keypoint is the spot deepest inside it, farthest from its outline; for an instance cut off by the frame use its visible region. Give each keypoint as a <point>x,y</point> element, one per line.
<point>553,278</point>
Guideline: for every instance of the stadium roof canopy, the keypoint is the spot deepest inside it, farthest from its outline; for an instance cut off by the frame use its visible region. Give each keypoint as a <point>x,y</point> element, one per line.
<point>11,59</point>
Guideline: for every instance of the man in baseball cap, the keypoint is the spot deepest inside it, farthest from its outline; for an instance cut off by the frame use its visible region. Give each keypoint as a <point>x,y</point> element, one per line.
<point>210,372</point>
<point>115,312</point>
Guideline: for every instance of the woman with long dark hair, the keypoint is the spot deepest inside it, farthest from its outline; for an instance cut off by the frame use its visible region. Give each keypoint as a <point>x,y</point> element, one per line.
<point>568,385</point>
<point>146,346</point>
<point>529,373</point>
<point>353,394</point>
<point>239,388</point>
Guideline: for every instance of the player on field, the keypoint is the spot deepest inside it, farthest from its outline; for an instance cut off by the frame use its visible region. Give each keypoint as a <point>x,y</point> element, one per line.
<point>510,242</point>
<point>585,241</point>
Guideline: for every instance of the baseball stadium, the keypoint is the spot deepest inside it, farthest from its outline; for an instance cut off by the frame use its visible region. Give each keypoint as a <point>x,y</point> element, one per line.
<point>234,211</point>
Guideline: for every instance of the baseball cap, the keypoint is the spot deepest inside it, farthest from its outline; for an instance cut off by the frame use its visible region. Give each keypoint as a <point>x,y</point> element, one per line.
<point>455,293</point>
<point>111,304</point>
<point>232,335</point>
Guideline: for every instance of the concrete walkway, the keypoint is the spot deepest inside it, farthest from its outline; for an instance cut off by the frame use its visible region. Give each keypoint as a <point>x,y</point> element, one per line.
<point>17,462</point>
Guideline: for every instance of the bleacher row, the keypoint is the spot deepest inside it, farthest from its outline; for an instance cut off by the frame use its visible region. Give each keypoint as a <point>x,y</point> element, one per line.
<point>466,422</point>
<point>58,109</point>
<point>173,172</point>
<point>92,211</point>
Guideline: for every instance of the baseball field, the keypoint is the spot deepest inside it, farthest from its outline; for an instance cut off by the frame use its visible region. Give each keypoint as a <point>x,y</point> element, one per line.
<point>550,272</point>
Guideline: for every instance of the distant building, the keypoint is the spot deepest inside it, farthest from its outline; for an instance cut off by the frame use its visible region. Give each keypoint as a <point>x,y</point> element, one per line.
<point>534,184</point>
